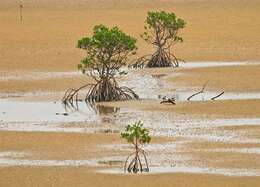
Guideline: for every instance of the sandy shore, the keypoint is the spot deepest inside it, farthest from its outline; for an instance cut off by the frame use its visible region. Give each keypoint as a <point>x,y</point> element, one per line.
<point>85,146</point>
<point>56,176</point>
<point>241,78</point>
<point>236,78</point>
<point>46,40</point>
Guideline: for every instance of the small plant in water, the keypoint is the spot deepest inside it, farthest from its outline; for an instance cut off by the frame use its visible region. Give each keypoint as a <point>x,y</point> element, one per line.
<point>138,136</point>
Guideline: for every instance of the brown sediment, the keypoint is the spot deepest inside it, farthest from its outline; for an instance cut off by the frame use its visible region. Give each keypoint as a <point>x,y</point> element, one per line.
<point>230,78</point>
<point>82,176</point>
<point>224,108</point>
<point>45,85</point>
<point>46,39</point>
<point>64,146</point>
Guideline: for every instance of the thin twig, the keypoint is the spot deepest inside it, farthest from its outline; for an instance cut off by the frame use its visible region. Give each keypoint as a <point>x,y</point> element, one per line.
<point>213,98</point>
<point>200,92</point>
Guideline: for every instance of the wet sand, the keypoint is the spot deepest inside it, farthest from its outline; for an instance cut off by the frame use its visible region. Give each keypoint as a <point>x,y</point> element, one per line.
<point>67,176</point>
<point>57,155</point>
<point>244,108</point>
<point>45,42</point>
<point>86,146</point>
<point>234,78</point>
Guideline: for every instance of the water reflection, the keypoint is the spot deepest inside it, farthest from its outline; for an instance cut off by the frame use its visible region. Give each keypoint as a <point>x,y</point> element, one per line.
<point>85,107</point>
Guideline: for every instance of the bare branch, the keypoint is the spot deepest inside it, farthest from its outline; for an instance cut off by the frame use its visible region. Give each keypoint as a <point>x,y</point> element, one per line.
<point>217,96</point>
<point>197,93</point>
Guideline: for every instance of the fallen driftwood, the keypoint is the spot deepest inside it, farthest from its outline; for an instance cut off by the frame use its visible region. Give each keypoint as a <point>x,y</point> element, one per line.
<point>217,96</point>
<point>197,93</point>
<point>64,114</point>
<point>169,100</point>
<point>202,91</point>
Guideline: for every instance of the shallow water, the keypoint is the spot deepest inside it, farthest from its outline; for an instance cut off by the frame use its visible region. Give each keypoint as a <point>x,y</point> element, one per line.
<point>48,112</point>
<point>190,169</point>
<point>38,75</point>
<point>13,158</point>
<point>16,115</point>
<point>183,95</point>
<point>53,117</point>
<point>215,64</point>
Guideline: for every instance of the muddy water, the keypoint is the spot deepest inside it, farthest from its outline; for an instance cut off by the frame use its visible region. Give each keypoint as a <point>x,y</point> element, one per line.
<point>18,115</point>
<point>49,116</point>
<point>190,169</point>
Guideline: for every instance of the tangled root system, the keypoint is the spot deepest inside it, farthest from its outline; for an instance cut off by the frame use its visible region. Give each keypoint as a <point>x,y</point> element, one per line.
<point>103,90</point>
<point>161,58</point>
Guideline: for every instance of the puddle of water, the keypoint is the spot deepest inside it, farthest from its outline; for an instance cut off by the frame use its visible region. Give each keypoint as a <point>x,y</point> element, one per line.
<point>13,158</point>
<point>25,162</point>
<point>174,147</point>
<point>146,86</point>
<point>50,112</point>
<point>183,95</point>
<point>16,111</point>
<point>215,64</point>
<point>53,117</point>
<point>156,87</point>
<point>191,169</point>
<point>38,75</point>
<point>12,154</point>
<point>173,158</point>
<point>250,150</point>
<point>50,117</point>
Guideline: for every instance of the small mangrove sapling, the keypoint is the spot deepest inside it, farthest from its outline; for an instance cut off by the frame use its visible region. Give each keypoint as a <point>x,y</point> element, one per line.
<point>137,136</point>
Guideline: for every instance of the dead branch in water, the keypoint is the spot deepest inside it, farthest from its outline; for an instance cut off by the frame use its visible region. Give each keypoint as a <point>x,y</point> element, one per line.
<point>217,96</point>
<point>200,92</point>
<point>169,100</point>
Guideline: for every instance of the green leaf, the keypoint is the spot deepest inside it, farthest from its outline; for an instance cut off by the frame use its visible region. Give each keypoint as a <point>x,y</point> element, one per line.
<point>136,132</point>
<point>168,23</point>
<point>106,46</point>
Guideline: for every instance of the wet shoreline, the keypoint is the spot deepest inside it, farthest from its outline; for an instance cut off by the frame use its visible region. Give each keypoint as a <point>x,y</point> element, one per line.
<point>18,114</point>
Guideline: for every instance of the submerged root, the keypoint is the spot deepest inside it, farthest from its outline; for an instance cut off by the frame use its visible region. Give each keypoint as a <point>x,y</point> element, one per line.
<point>162,58</point>
<point>103,90</point>
<point>136,165</point>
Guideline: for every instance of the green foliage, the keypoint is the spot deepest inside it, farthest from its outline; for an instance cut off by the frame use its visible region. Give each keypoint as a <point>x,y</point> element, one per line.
<point>135,133</point>
<point>162,27</point>
<point>107,49</point>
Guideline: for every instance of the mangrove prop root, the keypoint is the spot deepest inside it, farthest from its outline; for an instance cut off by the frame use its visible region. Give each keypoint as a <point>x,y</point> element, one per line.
<point>103,90</point>
<point>136,165</point>
<point>161,58</point>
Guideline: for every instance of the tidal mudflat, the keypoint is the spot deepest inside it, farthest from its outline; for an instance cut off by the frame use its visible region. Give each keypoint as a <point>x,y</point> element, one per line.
<point>203,142</point>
